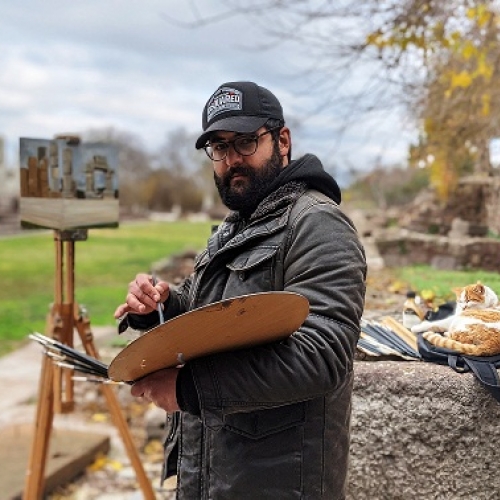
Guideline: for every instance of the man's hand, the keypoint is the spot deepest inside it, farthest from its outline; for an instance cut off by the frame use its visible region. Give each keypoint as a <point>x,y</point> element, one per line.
<point>159,388</point>
<point>143,296</point>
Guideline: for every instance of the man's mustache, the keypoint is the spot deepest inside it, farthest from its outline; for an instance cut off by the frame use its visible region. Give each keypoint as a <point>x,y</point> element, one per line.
<point>238,170</point>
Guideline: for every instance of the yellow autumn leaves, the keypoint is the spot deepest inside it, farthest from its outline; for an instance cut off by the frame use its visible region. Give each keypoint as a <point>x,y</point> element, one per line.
<point>456,46</point>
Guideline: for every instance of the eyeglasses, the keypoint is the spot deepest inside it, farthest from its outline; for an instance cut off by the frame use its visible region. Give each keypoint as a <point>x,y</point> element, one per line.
<point>244,145</point>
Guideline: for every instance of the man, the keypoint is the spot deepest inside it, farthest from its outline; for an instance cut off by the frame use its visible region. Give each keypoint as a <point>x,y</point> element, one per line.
<point>270,422</point>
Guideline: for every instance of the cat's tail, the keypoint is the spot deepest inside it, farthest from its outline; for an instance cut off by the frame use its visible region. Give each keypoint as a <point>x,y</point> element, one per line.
<point>440,341</point>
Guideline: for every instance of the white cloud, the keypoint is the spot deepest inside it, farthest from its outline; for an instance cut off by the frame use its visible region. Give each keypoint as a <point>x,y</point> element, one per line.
<point>68,67</point>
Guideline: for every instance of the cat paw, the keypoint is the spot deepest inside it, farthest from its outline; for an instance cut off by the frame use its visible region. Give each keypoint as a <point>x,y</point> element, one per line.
<point>427,326</point>
<point>422,327</point>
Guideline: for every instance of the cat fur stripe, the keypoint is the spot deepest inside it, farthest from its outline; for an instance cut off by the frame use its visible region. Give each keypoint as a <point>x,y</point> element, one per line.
<point>484,315</point>
<point>473,342</point>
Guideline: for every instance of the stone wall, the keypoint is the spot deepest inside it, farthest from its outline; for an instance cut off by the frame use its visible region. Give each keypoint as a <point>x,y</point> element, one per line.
<point>475,200</point>
<point>493,205</point>
<point>403,248</point>
<point>422,431</point>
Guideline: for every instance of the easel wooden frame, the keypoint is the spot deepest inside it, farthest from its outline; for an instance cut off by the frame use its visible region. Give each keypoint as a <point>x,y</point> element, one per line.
<point>55,393</point>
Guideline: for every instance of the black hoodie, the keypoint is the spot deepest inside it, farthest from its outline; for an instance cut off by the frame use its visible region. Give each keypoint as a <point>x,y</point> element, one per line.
<point>308,169</point>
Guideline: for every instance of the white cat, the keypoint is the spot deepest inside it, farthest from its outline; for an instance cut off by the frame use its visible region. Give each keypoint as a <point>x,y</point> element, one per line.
<point>476,296</point>
<point>473,329</point>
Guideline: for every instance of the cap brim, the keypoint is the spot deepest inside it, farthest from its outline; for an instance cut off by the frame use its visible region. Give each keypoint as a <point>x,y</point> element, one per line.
<point>241,124</point>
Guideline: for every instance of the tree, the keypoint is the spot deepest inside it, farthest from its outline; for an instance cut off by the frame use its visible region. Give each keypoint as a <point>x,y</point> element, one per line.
<point>184,164</point>
<point>461,102</point>
<point>177,176</point>
<point>438,58</point>
<point>385,187</point>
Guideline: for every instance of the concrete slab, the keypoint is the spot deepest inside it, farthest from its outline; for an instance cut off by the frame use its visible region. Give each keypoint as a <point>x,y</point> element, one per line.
<point>69,453</point>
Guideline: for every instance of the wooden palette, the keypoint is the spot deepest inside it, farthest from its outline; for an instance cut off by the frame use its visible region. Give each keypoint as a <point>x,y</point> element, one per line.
<point>230,324</point>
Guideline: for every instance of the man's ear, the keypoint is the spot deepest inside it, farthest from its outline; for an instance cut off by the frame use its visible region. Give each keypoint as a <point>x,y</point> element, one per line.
<point>285,141</point>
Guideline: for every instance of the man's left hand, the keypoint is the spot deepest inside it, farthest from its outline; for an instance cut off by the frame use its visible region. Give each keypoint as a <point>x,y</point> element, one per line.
<point>160,388</point>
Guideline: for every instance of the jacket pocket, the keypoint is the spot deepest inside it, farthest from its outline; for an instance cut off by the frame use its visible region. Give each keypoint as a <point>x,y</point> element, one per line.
<point>253,271</point>
<point>268,445</point>
<point>258,424</point>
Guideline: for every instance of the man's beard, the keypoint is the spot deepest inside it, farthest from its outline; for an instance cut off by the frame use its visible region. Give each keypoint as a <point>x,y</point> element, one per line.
<point>244,196</point>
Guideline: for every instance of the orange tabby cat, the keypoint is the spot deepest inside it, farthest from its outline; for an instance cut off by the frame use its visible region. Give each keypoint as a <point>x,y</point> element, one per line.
<point>474,328</point>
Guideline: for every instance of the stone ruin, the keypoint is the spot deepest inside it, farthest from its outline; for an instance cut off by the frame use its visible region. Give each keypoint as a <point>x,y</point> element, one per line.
<point>468,203</point>
<point>453,235</point>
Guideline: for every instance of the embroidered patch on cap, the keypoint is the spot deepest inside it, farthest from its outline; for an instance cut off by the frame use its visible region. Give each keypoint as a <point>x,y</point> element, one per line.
<point>225,99</point>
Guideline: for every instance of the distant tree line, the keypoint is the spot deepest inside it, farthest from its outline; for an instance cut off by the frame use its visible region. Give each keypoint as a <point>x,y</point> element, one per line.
<point>174,178</point>
<point>178,178</point>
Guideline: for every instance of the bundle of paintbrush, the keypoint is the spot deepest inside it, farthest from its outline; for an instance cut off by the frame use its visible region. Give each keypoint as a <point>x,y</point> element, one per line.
<point>69,358</point>
<point>65,356</point>
<point>388,338</point>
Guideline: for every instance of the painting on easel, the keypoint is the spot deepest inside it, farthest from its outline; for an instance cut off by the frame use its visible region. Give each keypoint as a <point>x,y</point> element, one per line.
<point>68,185</point>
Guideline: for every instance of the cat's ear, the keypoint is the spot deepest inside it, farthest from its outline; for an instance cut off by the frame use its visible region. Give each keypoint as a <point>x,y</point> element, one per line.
<point>457,291</point>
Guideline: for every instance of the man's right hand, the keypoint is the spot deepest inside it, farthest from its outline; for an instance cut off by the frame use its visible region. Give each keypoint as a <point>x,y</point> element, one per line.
<point>143,297</point>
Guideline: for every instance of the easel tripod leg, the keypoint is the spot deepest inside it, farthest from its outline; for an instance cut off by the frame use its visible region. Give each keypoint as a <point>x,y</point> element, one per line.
<point>63,318</point>
<point>35,474</point>
<point>121,425</point>
<point>83,327</point>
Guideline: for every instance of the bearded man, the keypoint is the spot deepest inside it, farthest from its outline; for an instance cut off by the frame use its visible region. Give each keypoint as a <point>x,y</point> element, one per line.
<point>272,421</point>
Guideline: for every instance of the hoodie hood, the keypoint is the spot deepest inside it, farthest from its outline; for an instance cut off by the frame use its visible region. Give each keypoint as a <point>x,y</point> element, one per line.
<point>309,169</point>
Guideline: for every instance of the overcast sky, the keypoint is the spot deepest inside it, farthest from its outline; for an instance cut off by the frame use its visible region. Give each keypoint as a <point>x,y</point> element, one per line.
<point>72,66</point>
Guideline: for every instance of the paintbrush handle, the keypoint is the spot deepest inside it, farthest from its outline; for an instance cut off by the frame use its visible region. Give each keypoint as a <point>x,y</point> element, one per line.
<point>159,305</point>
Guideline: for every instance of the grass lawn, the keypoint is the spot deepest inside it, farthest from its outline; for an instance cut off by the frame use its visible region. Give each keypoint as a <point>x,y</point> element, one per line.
<point>442,282</point>
<point>110,258</point>
<point>104,265</point>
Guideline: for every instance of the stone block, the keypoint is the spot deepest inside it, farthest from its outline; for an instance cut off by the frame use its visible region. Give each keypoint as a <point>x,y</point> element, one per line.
<point>422,431</point>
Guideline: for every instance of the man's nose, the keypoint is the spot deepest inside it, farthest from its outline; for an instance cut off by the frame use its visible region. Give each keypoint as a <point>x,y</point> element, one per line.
<point>232,156</point>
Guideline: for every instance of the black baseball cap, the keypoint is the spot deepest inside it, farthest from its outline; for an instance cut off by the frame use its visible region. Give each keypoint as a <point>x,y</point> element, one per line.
<point>238,107</point>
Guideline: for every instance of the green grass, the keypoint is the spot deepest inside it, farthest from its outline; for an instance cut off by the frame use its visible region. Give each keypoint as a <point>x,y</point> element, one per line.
<point>110,258</point>
<point>104,265</point>
<point>442,282</point>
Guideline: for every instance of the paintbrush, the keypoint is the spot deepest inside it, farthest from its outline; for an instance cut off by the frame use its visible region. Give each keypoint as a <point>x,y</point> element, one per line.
<point>159,305</point>
<point>98,380</point>
<point>65,362</point>
<point>64,353</point>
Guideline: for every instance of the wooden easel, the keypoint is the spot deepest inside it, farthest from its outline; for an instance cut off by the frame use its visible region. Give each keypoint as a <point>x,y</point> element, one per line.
<point>56,385</point>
